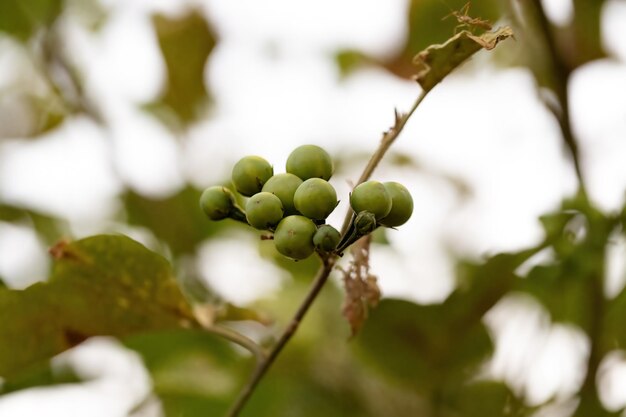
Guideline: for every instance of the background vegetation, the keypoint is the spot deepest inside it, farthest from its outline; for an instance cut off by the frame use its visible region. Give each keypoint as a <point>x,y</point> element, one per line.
<point>444,357</point>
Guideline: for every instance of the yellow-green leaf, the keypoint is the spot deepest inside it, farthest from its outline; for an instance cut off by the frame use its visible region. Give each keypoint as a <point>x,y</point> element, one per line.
<point>102,285</point>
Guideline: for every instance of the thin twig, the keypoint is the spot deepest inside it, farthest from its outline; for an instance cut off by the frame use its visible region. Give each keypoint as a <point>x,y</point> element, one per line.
<point>328,262</point>
<point>560,77</point>
<point>388,138</point>
<point>263,366</point>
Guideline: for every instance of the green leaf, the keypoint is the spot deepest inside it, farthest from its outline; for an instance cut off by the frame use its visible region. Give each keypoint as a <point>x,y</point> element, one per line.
<point>21,18</point>
<point>437,61</point>
<point>186,43</point>
<point>102,285</point>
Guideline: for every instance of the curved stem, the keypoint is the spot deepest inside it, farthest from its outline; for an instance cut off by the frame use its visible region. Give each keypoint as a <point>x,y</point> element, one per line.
<point>263,366</point>
<point>239,339</point>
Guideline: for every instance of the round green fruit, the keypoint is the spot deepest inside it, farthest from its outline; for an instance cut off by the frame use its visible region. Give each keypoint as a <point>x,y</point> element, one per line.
<point>264,210</point>
<point>326,238</point>
<point>365,223</point>
<point>217,202</point>
<point>371,196</point>
<point>284,186</point>
<point>401,205</point>
<point>294,237</point>
<point>310,161</point>
<point>315,198</point>
<point>250,173</point>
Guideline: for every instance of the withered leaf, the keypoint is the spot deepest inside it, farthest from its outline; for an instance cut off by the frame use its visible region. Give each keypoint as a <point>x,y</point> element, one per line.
<point>437,61</point>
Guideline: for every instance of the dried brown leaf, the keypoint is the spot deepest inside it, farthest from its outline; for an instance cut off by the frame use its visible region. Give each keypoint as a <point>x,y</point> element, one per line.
<point>437,61</point>
<point>362,291</point>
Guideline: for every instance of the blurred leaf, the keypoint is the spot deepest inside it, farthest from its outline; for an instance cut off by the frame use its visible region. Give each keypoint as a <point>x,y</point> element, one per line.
<point>300,394</point>
<point>22,18</point>
<point>102,285</point>
<point>431,346</point>
<point>615,332</point>
<point>437,61</point>
<point>230,312</point>
<point>483,398</point>
<point>587,32</point>
<point>563,294</point>
<point>44,374</point>
<point>418,345</point>
<point>177,220</point>
<point>570,286</point>
<point>50,228</point>
<point>186,43</point>
<point>194,373</point>
<point>349,60</point>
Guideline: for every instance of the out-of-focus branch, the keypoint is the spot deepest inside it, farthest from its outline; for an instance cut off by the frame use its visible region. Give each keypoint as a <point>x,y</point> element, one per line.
<point>559,76</point>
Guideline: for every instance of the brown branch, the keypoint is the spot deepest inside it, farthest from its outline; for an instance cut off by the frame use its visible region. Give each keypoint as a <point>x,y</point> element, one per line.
<point>560,73</point>
<point>388,139</point>
<point>263,366</point>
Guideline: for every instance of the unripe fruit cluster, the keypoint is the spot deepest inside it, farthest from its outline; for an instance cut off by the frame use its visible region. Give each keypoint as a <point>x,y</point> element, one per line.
<point>294,205</point>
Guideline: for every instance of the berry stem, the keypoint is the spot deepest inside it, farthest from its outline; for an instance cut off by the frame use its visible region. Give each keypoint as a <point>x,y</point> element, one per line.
<point>236,213</point>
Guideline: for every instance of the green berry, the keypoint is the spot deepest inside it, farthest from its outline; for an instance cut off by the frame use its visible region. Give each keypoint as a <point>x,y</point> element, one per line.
<point>310,161</point>
<point>365,223</point>
<point>401,205</point>
<point>284,186</point>
<point>264,210</point>
<point>315,198</point>
<point>250,173</point>
<point>326,238</point>
<point>371,196</point>
<point>217,202</point>
<point>294,237</point>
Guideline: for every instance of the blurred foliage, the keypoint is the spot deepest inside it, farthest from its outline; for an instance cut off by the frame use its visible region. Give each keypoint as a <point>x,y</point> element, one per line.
<point>186,43</point>
<point>40,375</point>
<point>431,22</point>
<point>175,220</point>
<point>410,359</point>
<point>48,227</point>
<point>22,19</point>
<point>194,373</point>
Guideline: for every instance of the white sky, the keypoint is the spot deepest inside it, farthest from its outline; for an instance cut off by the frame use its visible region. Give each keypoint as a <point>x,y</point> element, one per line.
<point>484,125</point>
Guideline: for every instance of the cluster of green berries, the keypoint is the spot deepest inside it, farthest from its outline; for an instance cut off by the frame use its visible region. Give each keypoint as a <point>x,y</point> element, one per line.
<point>294,205</point>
